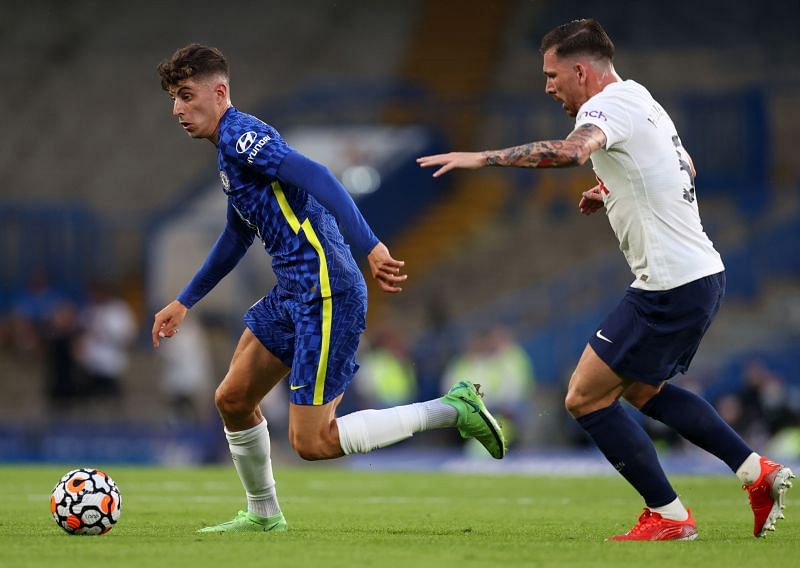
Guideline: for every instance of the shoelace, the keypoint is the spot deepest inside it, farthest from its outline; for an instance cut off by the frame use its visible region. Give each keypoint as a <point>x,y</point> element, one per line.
<point>645,519</point>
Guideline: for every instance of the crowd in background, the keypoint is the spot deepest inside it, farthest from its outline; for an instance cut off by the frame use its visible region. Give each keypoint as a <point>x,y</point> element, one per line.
<point>85,347</point>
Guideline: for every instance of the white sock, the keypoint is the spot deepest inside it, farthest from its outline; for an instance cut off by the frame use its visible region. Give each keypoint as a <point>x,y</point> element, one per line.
<point>750,470</point>
<point>366,430</point>
<point>674,511</point>
<point>250,453</point>
<point>438,414</point>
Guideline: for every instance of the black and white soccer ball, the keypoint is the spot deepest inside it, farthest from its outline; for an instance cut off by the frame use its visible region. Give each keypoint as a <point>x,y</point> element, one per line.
<point>86,501</point>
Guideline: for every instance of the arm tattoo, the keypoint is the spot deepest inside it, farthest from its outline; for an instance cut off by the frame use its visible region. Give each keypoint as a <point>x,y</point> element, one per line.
<point>573,151</point>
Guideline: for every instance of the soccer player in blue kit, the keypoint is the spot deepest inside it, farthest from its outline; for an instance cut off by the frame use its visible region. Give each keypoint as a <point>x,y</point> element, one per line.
<point>646,185</point>
<point>308,326</point>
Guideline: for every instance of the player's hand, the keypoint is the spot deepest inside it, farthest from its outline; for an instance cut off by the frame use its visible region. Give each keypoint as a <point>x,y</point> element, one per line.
<point>453,160</point>
<point>385,269</point>
<point>167,321</point>
<point>591,201</point>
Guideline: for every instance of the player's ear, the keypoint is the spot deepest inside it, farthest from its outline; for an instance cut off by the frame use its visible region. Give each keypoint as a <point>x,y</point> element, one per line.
<point>221,90</point>
<point>580,72</point>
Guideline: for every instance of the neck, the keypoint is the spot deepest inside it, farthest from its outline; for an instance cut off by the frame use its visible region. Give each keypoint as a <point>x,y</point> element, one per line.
<point>606,76</point>
<point>214,138</point>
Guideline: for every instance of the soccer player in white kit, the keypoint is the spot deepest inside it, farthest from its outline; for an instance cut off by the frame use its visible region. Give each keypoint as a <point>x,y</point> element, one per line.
<point>646,184</point>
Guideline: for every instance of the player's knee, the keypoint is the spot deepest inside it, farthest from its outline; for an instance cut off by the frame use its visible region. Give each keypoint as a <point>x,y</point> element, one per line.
<point>231,404</point>
<point>579,402</point>
<point>309,452</point>
<point>315,447</point>
<point>573,402</point>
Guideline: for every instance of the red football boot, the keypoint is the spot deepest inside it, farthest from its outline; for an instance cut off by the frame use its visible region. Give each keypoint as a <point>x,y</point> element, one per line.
<point>652,526</point>
<point>767,495</point>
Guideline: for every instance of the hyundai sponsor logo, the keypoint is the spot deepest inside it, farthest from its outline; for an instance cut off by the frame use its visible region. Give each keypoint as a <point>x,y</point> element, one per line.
<point>245,141</point>
<point>256,149</point>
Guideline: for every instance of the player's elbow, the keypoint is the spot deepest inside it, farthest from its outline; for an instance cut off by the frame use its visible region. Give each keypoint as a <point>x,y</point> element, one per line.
<point>571,157</point>
<point>570,161</point>
<point>581,158</point>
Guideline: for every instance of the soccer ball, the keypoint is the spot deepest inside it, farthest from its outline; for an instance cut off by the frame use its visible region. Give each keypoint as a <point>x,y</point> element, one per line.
<point>86,501</point>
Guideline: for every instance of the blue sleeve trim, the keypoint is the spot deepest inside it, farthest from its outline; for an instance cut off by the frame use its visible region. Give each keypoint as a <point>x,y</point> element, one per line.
<point>317,180</point>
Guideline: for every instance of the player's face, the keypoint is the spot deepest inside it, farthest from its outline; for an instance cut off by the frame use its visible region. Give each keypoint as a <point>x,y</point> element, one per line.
<point>197,106</point>
<point>563,82</point>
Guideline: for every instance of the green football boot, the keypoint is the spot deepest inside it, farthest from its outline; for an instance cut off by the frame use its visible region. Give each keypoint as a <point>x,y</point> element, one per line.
<point>250,522</point>
<point>474,421</point>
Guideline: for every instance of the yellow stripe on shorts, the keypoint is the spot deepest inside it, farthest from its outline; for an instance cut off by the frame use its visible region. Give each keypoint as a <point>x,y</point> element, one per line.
<point>324,283</point>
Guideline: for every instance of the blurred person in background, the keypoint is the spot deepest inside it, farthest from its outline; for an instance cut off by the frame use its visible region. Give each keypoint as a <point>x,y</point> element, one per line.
<point>386,376</point>
<point>187,373</point>
<point>31,311</point>
<point>646,184</point>
<point>764,406</point>
<point>766,401</point>
<point>308,326</point>
<point>44,322</point>
<point>63,376</point>
<point>494,360</point>
<point>109,328</point>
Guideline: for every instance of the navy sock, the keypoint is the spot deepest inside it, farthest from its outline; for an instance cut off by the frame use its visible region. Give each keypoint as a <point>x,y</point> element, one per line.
<point>695,419</point>
<point>629,449</point>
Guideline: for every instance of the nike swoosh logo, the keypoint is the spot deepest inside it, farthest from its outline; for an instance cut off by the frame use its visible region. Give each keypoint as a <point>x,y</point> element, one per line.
<point>297,387</point>
<point>600,335</point>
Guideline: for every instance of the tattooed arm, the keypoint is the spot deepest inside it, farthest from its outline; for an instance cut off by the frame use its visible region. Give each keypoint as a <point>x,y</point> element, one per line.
<point>573,151</point>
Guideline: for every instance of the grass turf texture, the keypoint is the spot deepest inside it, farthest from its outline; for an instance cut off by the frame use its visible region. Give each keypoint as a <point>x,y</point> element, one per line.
<point>353,518</point>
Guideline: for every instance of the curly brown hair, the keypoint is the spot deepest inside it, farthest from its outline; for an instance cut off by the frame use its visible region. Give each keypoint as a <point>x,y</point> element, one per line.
<point>194,60</point>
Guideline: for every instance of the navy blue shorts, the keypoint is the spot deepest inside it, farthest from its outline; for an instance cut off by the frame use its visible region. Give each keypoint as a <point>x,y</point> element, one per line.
<point>652,336</point>
<point>317,339</point>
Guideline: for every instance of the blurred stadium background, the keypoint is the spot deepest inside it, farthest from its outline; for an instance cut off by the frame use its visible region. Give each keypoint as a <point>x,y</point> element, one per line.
<point>107,209</point>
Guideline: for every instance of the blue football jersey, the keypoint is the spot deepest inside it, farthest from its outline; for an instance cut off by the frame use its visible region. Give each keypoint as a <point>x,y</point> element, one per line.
<point>309,255</point>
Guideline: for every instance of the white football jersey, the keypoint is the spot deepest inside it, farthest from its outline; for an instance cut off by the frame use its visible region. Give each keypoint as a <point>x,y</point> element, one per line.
<point>648,189</point>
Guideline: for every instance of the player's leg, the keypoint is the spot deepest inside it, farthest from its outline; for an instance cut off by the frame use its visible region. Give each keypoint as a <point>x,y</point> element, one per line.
<point>592,398</point>
<point>324,363</point>
<point>253,372</point>
<point>696,420</point>
<point>313,432</point>
<point>690,415</point>
<point>316,433</point>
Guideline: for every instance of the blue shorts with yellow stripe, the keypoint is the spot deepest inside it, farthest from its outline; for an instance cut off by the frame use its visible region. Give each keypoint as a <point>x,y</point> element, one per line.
<point>317,339</point>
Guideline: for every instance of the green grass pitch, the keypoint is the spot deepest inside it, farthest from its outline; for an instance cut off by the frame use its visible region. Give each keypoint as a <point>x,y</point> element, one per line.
<point>339,517</point>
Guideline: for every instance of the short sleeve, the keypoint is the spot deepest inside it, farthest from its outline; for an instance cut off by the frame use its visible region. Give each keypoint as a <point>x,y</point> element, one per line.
<point>256,146</point>
<point>609,115</point>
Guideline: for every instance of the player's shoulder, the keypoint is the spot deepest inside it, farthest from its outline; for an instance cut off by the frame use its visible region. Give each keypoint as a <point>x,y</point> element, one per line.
<point>239,131</point>
<point>620,99</point>
<point>621,92</point>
